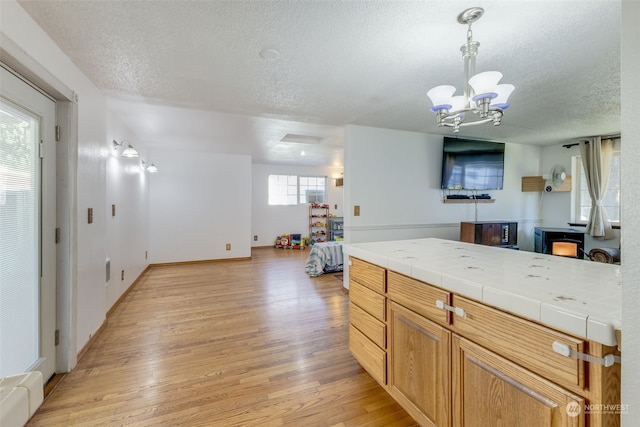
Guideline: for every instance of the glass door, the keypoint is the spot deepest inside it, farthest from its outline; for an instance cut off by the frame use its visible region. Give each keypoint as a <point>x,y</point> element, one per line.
<point>27,229</point>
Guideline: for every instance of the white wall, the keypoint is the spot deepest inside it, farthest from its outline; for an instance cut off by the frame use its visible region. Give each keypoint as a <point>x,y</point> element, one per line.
<point>199,202</point>
<point>267,221</point>
<point>394,176</point>
<point>127,233</point>
<point>630,127</point>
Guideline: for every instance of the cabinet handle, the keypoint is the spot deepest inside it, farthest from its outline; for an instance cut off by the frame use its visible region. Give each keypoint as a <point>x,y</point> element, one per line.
<point>457,310</point>
<point>566,351</point>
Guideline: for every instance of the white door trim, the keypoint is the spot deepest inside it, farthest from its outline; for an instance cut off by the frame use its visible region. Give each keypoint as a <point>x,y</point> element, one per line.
<point>15,58</point>
<point>21,95</point>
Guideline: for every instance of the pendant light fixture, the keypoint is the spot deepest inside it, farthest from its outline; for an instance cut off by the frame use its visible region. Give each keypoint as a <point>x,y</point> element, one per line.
<point>483,101</point>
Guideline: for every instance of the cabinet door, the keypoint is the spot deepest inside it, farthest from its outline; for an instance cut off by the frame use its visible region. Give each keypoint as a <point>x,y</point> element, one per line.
<point>488,390</point>
<point>419,362</point>
<point>492,234</point>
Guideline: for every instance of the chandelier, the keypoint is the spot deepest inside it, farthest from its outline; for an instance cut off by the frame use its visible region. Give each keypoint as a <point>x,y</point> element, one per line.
<point>484,100</point>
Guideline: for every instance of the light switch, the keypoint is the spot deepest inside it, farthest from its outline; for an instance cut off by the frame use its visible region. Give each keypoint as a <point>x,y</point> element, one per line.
<point>356,210</point>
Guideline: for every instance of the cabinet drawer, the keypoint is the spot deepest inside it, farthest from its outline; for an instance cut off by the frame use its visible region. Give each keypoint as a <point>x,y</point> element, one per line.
<point>369,275</point>
<point>418,296</point>
<point>368,300</point>
<point>371,357</point>
<point>521,341</point>
<point>371,327</point>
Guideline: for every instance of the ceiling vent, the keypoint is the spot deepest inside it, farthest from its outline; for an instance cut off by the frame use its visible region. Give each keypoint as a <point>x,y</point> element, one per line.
<point>301,139</point>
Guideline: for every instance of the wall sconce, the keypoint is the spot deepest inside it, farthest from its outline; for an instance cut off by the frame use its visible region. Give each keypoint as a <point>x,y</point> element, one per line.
<point>129,151</point>
<point>151,168</point>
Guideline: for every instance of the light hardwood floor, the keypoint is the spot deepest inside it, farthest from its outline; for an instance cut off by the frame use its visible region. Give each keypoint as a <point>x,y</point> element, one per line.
<point>235,343</point>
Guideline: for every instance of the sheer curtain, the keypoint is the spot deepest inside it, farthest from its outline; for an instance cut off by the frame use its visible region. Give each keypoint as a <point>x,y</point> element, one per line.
<point>596,160</point>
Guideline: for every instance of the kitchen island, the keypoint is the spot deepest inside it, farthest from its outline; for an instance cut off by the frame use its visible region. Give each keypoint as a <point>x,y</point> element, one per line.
<point>462,334</point>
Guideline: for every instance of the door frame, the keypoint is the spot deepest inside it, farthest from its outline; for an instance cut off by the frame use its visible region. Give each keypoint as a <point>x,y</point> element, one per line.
<point>16,59</point>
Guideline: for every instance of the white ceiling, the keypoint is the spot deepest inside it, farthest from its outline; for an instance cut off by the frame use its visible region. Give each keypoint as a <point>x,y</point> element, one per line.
<point>341,62</point>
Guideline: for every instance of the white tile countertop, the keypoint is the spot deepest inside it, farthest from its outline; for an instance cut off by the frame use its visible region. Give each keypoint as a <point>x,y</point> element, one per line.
<point>580,297</point>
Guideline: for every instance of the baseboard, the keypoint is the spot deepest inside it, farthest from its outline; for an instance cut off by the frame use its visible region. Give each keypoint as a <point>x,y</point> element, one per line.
<point>203,261</point>
<point>51,385</point>
<point>125,293</point>
<point>93,337</point>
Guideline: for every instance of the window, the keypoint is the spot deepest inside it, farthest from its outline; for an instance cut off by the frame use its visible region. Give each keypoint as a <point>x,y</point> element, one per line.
<point>291,189</point>
<point>283,189</point>
<point>611,200</point>
<point>312,189</point>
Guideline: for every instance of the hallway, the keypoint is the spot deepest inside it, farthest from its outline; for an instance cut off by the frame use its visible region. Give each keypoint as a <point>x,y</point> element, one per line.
<point>229,343</point>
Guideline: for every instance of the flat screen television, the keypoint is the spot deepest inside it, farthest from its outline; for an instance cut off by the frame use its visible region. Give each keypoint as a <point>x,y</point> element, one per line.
<point>469,164</point>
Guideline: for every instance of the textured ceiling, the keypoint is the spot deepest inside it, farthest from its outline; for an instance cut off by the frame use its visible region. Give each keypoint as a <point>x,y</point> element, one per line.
<point>341,62</point>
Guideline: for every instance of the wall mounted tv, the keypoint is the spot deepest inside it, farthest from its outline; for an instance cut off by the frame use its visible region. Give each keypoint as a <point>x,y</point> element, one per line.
<point>469,164</point>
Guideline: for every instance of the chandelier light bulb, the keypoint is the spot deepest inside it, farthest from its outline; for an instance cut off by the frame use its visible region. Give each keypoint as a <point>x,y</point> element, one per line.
<point>457,103</point>
<point>504,92</point>
<point>484,84</point>
<point>441,97</point>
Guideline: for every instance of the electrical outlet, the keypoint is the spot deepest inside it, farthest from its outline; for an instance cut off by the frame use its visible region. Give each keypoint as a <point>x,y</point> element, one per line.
<point>90,215</point>
<point>228,246</point>
<point>122,275</point>
<point>356,210</point>
<point>255,238</point>
<point>145,254</point>
<point>113,210</point>
<point>335,206</point>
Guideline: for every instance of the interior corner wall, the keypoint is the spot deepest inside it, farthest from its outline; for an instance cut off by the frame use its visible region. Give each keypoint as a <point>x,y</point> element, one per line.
<point>127,207</point>
<point>90,308</point>
<point>557,206</point>
<point>269,221</point>
<point>198,203</point>
<point>394,176</point>
<point>630,129</point>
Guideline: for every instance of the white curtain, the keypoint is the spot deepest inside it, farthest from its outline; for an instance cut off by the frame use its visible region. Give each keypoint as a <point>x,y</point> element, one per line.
<point>596,161</point>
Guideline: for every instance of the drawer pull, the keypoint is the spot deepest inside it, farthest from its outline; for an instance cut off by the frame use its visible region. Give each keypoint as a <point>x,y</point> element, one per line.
<point>566,351</point>
<point>457,310</point>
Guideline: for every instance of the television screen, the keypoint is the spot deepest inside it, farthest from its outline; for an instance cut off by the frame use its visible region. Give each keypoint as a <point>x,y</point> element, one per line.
<point>472,164</point>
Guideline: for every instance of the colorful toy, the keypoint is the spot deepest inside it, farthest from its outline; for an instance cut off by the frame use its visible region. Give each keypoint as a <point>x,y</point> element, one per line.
<point>290,241</point>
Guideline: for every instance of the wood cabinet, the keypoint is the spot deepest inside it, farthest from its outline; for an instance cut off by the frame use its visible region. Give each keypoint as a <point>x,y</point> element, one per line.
<point>487,388</point>
<point>367,318</point>
<point>490,233</point>
<point>419,366</point>
<point>452,361</point>
<point>526,343</point>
